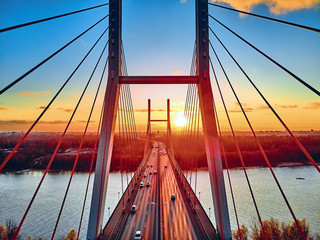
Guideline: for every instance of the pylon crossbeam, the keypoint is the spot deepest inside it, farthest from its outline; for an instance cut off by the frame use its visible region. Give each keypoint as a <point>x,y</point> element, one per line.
<point>158,80</point>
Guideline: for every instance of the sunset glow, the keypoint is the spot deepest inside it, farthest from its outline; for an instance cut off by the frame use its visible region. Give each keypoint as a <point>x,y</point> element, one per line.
<point>124,119</point>
<point>180,120</point>
<point>153,54</point>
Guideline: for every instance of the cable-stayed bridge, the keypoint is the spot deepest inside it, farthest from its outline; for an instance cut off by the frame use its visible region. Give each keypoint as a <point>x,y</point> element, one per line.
<point>168,207</point>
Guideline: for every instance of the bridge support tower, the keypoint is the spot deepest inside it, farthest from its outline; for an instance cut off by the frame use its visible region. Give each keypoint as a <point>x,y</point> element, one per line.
<point>169,134</point>
<point>108,123</point>
<point>209,122</point>
<point>110,112</point>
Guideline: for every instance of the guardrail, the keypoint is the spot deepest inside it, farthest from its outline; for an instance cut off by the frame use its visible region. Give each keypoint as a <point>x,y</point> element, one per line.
<point>206,229</point>
<point>117,220</point>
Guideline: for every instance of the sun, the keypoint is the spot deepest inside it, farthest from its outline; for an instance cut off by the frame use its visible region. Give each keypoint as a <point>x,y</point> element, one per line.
<point>180,120</point>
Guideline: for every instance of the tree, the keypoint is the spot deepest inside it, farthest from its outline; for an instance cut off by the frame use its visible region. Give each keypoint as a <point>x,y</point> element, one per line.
<point>287,231</point>
<point>243,231</point>
<point>11,228</point>
<point>72,235</point>
<point>3,233</point>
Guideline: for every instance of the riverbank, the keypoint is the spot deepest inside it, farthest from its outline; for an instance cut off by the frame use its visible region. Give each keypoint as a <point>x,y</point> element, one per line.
<point>17,190</point>
<point>36,152</point>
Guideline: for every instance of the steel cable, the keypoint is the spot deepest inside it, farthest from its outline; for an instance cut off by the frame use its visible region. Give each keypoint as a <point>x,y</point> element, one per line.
<point>48,58</point>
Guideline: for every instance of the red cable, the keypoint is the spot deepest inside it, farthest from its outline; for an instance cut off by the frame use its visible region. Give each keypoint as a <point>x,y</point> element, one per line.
<point>82,139</point>
<point>189,129</point>
<point>240,156</point>
<point>90,171</point>
<point>305,152</point>
<point>227,167</point>
<point>57,147</point>
<point>262,150</point>
<point>21,141</point>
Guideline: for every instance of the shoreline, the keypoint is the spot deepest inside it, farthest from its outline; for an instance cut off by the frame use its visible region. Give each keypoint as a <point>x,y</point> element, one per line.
<point>280,165</point>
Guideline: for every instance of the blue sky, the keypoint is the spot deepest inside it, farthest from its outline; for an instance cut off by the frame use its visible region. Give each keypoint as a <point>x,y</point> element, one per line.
<point>158,37</point>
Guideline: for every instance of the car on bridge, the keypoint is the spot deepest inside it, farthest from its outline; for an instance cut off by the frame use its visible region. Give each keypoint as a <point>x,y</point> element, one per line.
<point>148,184</point>
<point>141,184</point>
<point>150,173</point>
<point>138,235</point>
<point>173,196</point>
<point>145,175</point>
<point>133,209</point>
<point>155,171</point>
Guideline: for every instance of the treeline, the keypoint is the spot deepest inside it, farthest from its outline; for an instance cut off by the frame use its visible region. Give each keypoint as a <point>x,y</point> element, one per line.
<point>278,146</point>
<point>275,230</point>
<point>36,151</point>
<point>7,233</point>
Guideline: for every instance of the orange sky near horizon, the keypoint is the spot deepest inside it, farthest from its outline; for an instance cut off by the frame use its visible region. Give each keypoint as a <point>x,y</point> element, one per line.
<point>303,116</point>
<point>163,45</point>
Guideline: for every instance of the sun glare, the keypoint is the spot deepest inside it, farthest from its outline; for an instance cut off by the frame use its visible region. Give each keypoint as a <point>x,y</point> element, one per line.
<point>179,120</point>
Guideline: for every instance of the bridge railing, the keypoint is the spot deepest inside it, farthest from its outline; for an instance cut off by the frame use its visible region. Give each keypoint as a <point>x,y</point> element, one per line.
<point>115,223</point>
<point>200,217</point>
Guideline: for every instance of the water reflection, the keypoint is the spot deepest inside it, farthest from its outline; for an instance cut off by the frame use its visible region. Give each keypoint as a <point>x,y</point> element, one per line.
<point>16,191</point>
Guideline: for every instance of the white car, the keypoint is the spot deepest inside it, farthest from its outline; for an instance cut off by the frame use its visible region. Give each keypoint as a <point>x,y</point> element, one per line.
<point>133,209</point>
<point>141,184</point>
<point>155,171</point>
<point>145,175</point>
<point>173,197</point>
<point>148,184</point>
<point>138,235</point>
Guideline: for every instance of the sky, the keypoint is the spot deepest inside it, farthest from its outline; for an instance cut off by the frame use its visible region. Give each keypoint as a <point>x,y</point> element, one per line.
<point>158,38</point>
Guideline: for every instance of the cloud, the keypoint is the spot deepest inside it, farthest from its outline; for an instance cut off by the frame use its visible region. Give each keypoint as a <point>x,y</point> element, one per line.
<point>262,107</point>
<point>139,110</point>
<point>287,106</point>
<point>33,94</point>
<point>3,108</point>
<point>177,73</point>
<point>84,121</point>
<point>53,122</point>
<point>41,107</point>
<point>183,1</point>
<point>29,94</point>
<point>243,104</point>
<point>22,122</point>
<point>313,105</point>
<point>65,109</point>
<point>246,109</point>
<point>275,6</point>
<point>237,109</point>
<point>15,122</point>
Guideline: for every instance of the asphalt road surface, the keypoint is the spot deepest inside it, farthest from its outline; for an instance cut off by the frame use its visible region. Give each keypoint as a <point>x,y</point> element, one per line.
<point>154,203</point>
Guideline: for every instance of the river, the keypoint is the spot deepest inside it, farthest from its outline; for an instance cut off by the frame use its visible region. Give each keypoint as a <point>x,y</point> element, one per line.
<point>16,191</point>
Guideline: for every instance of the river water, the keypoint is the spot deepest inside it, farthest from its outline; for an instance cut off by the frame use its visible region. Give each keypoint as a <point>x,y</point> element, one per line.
<point>16,191</point>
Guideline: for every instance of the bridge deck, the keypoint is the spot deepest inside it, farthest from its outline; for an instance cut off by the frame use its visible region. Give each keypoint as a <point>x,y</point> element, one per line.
<point>157,215</point>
